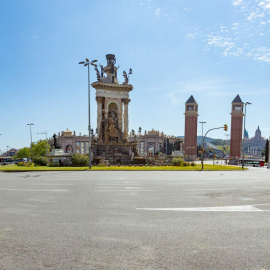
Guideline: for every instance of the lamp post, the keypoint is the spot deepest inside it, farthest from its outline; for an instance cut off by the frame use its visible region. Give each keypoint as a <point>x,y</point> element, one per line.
<point>243,142</point>
<point>45,132</point>
<point>227,135</point>
<point>87,63</point>
<point>7,150</point>
<point>202,129</point>
<point>31,124</point>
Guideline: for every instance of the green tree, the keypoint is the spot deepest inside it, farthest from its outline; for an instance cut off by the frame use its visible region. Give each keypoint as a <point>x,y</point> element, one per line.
<point>39,148</point>
<point>23,153</point>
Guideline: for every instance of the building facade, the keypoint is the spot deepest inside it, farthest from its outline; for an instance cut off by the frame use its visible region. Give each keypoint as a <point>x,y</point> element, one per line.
<point>255,145</point>
<point>154,142</point>
<point>71,143</point>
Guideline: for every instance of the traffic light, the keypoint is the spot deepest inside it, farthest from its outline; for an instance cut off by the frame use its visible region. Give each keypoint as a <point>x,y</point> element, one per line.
<point>225,127</point>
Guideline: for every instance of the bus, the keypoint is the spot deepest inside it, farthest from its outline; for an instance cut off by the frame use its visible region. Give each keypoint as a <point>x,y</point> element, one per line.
<point>252,162</point>
<point>6,160</point>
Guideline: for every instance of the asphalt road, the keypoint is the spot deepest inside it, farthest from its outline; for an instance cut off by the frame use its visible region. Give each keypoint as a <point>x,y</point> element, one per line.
<point>135,220</point>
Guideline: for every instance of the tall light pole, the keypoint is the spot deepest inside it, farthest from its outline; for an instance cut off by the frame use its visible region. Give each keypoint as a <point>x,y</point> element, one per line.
<point>44,132</point>
<point>202,131</point>
<point>7,150</point>
<point>243,142</point>
<point>227,135</point>
<point>31,124</point>
<point>87,63</point>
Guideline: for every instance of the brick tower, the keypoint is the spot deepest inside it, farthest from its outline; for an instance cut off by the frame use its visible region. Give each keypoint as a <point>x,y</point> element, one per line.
<point>191,120</point>
<point>236,127</point>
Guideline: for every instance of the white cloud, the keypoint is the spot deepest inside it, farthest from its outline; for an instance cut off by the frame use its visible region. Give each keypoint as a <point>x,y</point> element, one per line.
<point>237,2</point>
<point>157,12</point>
<point>262,55</point>
<point>244,39</point>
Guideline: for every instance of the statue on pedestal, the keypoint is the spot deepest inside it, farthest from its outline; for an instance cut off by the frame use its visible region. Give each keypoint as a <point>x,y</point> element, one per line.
<point>56,145</point>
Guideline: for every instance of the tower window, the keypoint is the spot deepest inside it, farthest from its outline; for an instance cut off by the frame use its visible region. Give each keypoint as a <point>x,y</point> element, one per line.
<point>237,108</point>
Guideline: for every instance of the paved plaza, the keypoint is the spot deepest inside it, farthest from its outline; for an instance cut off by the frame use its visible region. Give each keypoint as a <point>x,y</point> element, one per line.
<point>135,220</point>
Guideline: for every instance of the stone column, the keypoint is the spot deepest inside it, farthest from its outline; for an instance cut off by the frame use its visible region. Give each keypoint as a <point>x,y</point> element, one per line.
<point>120,119</point>
<point>126,102</point>
<point>99,115</point>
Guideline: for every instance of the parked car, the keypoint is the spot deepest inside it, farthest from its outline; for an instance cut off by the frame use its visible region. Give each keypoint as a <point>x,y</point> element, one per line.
<point>20,160</point>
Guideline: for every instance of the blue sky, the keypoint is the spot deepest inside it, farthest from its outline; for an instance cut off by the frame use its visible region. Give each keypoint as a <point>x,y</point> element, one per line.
<point>211,49</point>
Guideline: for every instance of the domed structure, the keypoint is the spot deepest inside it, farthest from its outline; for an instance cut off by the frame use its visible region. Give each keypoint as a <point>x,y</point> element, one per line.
<point>258,133</point>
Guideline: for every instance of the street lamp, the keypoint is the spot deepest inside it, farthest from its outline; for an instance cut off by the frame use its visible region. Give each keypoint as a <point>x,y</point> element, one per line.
<point>31,124</point>
<point>243,142</point>
<point>202,129</point>
<point>86,63</point>
<point>44,132</point>
<point>7,150</point>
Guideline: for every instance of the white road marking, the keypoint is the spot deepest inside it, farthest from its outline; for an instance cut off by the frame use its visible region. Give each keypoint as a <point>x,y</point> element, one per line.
<point>211,189</point>
<point>243,208</point>
<point>112,190</point>
<point>137,188</point>
<point>261,187</point>
<point>26,205</point>
<point>131,183</point>
<point>188,183</point>
<point>123,184</point>
<point>52,184</point>
<point>38,190</point>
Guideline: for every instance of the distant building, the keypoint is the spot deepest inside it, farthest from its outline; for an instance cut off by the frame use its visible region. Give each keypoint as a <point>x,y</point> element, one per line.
<point>150,143</point>
<point>154,141</point>
<point>255,145</point>
<point>71,143</point>
<point>246,134</point>
<point>11,152</point>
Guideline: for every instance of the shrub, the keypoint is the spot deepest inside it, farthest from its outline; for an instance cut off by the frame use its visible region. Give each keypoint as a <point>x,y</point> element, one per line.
<point>80,160</point>
<point>193,163</point>
<point>53,165</point>
<point>29,164</point>
<point>186,164</point>
<point>178,162</point>
<point>41,161</point>
<point>101,165</point>
<point>22,164</point>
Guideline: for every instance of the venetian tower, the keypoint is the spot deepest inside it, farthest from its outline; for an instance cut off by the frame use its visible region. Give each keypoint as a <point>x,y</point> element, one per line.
<point>236,127</point>
<point>191,121</point>
<point>112,112</point>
